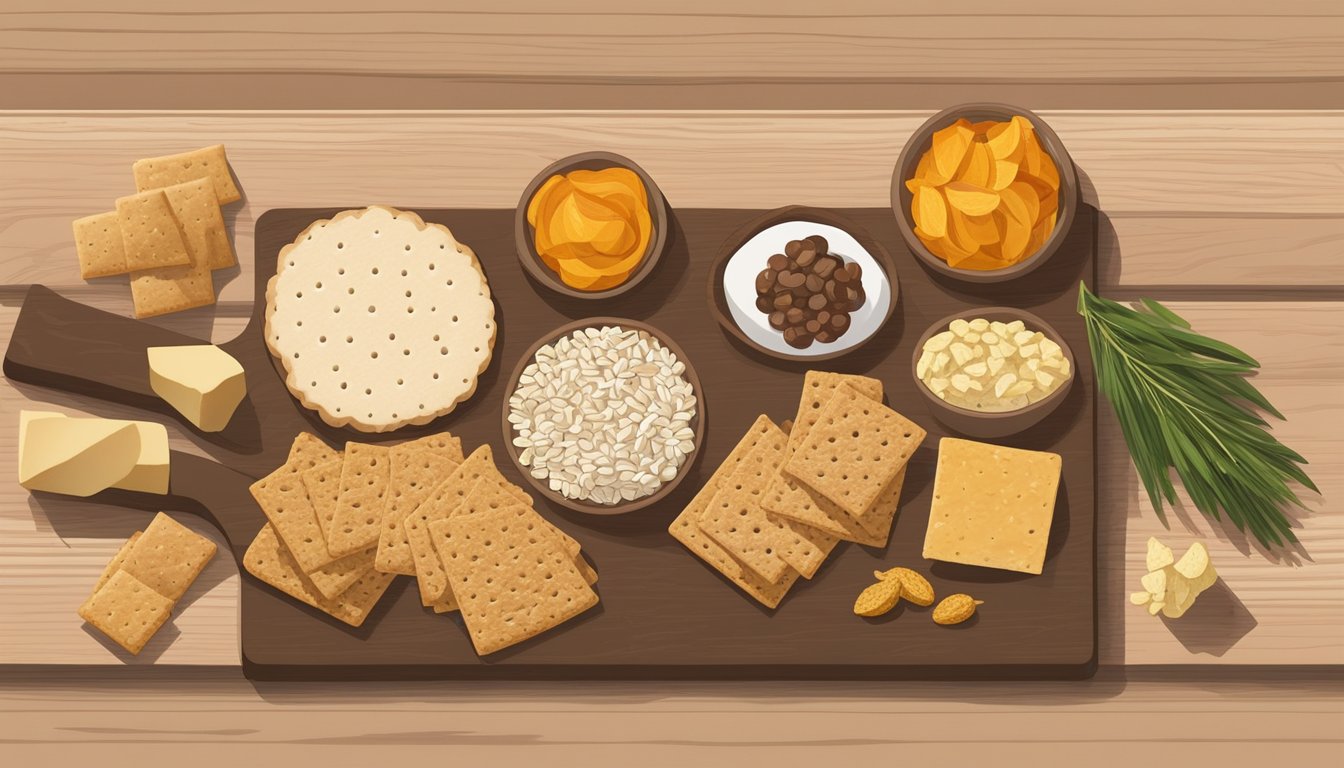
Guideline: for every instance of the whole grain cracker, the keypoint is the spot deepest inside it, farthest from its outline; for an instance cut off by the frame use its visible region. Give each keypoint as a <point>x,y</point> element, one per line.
<point>150,234</point>
<point>443,443</point>
<point>283,498</point>
<point>686,528</point>
<point>792,500</point>
<point>114,564</point>
<point>202,224</point>
<point>440,504</point>
<point>127,611</point>
<point>818,388</point>
<point>512,582</point>
<point>414,472</point>
<point>207,162</point>
<point>168,557</point>
<point>734,518</point>
<point>269,560</point>
<point>337,576</point>
<point>358,512</point>
<point>99,247</point>
<point>854,450</point>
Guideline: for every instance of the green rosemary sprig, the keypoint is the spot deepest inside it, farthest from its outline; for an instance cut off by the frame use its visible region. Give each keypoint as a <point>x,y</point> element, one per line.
<point>1183,401</point>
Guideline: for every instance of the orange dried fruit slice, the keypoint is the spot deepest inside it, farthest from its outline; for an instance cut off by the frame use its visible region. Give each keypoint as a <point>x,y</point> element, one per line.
<point>950,146</point>
<point>970,198</point>
<point>1027,195</point>
<point>1016,234</point>
<point>1005,173</point>
<point>978,167</point>
<point>538,198</point>
<point>929,210</point>
<point>1004,139</point>
<point>981,261</point>
<point>959,232</point>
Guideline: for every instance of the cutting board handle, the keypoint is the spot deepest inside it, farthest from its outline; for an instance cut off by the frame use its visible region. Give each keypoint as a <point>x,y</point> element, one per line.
<point>68,346</point>
<point>205,488</point>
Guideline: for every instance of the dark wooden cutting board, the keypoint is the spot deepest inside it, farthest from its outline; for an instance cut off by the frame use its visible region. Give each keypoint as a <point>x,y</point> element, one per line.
<point>663,614</point>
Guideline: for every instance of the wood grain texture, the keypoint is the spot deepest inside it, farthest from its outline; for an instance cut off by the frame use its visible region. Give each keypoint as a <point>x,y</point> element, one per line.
<point>702,39</point>
<point>215,719</point>
<point>1272,178</point>
<point>1295,610</point>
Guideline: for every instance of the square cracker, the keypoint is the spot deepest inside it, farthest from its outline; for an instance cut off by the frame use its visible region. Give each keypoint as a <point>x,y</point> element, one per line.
<point>99,247</point>
<point>322,484</point>
<point>854,450</point>
<point>358,513</point>
<point>205,163</point>
<point>159,290</point>
<point>686,528</point>
<point>818,388</point>
<point>992,506</point>
<point>337,576</point>
<point>512,580</point>
<point>150,234</point>
<point>735,520</point>
<point>488,498</point>
<point>443,444</point>
<point>268,560</point>
<point>414,473</point>
<point>441,504</point>
<point>790,499</point>
<point>127,611</point>
<point>168,557</point>
<point>202,224</point>
<point>283,497</point>
<point>114,564</point>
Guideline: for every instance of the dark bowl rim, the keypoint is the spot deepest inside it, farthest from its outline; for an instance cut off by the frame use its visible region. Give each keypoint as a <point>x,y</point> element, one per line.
<point>917,145</point>
<point>718,299</point>
<point>578,505</point>
<point>1040,407</point>
<point>526,248</point>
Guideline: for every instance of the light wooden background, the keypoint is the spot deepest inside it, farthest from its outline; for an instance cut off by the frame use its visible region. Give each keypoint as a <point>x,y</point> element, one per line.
<point>1210,136</point>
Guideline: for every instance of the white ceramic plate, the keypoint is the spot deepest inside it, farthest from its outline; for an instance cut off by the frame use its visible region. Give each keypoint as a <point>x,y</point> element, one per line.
<point>739,287</point>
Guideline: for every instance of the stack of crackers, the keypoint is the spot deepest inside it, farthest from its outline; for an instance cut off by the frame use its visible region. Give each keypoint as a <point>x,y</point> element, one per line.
<point>780,501</point>
<point>342,526</point>
<point>145,579</point>
<point>169,236</point>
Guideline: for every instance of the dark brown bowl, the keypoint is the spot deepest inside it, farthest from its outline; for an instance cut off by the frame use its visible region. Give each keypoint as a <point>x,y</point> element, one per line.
<point>920,142</point>
<point>980,423</point>
<point>718,300</point>
<point>587,507</point>
<point>524,237</point>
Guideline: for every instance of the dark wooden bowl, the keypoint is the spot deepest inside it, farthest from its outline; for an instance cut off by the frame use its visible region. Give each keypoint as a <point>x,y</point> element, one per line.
<point>580,505</point>
<point>920,142</point>
<point>718,300</point>
<point>980,423</point>
<point>524,235</point>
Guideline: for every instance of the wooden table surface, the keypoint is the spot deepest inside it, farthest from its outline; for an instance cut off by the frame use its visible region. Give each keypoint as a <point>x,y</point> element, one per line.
<point>1212,140</point>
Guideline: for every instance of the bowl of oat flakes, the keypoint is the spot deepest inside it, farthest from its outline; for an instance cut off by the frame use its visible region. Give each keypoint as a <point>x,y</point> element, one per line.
<point>604,415</point>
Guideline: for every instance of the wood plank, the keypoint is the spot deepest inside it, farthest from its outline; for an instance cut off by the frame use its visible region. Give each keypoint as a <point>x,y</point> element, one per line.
<point>703,39</point>
<point>1243,168</point>
<point>51,549</point>
<point>1102,722</point>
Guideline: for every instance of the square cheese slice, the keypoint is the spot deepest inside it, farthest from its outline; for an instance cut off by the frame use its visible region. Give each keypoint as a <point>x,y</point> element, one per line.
<point>992,506</point>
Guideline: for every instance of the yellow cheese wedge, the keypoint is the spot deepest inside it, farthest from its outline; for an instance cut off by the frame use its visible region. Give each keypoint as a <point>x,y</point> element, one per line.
<point>203,382</point>
<point>150,473</point>
<point>78,457</point>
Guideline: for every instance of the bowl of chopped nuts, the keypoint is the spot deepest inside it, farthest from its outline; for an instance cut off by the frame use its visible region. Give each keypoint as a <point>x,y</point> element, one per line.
<point>992,372</point>
<point>604,415</point>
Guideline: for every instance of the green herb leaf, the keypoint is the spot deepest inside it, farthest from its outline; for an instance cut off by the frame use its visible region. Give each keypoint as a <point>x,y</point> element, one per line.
<point>1183,402</point>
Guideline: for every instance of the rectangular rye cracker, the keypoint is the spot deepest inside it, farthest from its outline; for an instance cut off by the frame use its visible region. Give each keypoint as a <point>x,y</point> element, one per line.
<point>992,506</point>
<point>414,473</point>
<point>283,497</point>
<point>168,557</point>
<point>735,520</point>
<point>268,560</point>
<point>202,224</point>
<point>150,235</point>
<point>439,505</point>
<point>98,245</point>
<point>127,611</point>
<point>854,450</point>
<point>358,512</point>
<point>686,528</point>
<point>114,564</point>
<point>323,489</point>
<point>205,163</point>
<point>513,581</point>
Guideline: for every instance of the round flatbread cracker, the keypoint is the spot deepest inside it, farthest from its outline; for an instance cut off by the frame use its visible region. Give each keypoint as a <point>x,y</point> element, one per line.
<point>380,320</point>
